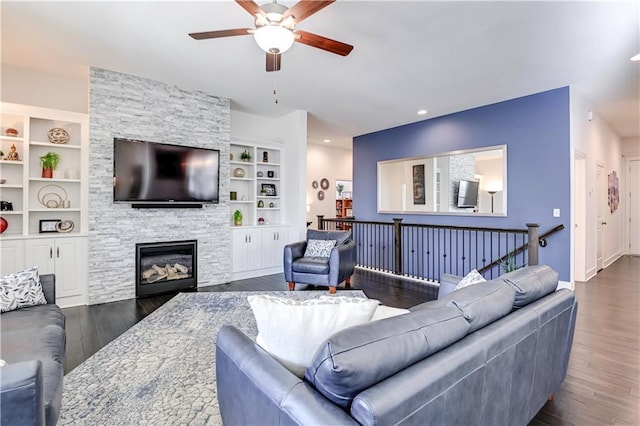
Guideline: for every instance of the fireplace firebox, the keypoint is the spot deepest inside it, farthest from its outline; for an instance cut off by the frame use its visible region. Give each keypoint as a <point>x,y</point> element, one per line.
<point>166,266</point>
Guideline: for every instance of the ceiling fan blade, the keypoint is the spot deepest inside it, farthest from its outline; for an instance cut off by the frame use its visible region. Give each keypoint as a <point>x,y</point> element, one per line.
<point>251,7</point>
<point>305,8</point>
<point>222,33</point>
<point>323,43</point>
<point>273,61</point>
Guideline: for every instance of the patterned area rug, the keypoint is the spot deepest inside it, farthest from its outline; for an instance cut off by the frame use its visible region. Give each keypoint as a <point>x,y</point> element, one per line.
<point>162,370</point>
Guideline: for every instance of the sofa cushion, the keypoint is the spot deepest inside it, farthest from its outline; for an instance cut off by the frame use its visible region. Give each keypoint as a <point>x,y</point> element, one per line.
<point>291,330</point>
<point>358,357</point>
<point>481,304</point>
<point>531,283</point>
<point>33,317</point>
<point>311,265</point>
<point>341,237</point>
<point>19,344</point>
<point>319,248</point>
<point>21,290</point>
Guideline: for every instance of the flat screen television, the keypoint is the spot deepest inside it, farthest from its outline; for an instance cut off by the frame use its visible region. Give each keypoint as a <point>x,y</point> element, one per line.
<point>150,172</point>
<point>468,193</point>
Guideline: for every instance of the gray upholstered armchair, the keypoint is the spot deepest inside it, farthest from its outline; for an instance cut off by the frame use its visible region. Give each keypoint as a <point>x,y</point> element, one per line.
<point>331,271</point>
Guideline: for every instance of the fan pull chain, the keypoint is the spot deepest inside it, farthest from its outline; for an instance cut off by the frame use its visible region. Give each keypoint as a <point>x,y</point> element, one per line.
<point>275,92</point>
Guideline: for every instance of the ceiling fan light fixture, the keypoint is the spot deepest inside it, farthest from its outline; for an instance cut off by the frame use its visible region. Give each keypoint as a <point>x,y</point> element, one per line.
<point>273,38</point>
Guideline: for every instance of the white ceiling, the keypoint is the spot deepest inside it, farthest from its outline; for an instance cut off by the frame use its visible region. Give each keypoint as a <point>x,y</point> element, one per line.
<point>441,56</point>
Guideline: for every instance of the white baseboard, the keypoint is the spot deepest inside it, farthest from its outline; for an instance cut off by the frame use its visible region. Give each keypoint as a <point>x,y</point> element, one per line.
<point>610,260</point>
<point>591,273</point>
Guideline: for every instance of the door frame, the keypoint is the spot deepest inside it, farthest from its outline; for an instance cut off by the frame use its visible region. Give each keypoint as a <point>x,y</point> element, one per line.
<point>579,218</point>
<point>601,188</point>
<point>627,210</point>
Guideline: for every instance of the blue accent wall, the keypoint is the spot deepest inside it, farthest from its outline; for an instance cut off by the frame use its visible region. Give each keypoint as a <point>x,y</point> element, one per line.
<point>535,129</point>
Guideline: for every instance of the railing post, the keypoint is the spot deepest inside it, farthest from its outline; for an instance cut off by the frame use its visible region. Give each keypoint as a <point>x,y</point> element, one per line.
<point>321,222</point>
<point>397,245</point>
<point>533,243</point>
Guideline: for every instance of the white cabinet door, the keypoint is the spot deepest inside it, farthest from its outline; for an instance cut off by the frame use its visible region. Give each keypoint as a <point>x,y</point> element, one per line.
<point>64,257</point>
<point>273,242</point>
<point>40,253</point>
<point>12,255</point>
<point>246,249</point>
<point>69,266</point>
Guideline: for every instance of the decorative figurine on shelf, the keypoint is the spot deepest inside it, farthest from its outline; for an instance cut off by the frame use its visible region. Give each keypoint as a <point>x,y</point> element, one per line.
<point>260,204</point>
<point>11,132</point>
<point>265,157</point>
<point>260,221</point>
<point>13,154</point>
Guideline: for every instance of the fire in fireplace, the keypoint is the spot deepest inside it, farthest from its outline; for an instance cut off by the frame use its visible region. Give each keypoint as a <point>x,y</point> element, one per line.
<point>165,266</point>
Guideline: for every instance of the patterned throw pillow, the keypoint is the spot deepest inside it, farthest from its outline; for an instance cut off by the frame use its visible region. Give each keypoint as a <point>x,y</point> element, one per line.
<point>21,290</point>
<point>471,278</point>
<point>319,248</point>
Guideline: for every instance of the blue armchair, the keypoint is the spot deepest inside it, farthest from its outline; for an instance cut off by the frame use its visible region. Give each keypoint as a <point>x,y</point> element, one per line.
<point>331,271</point>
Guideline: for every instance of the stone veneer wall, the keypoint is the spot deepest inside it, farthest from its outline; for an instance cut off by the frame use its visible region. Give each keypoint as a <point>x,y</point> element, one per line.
<point>126,106</point>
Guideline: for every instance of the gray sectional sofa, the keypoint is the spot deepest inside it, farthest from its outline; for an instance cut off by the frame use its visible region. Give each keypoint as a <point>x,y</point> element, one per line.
<point>489,354</point>
<point>32,343</point>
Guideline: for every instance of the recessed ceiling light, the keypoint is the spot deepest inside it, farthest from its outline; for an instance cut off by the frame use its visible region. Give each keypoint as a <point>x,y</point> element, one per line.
<point>636,58</point>
<point>326,140</point>
<point>422,112</point>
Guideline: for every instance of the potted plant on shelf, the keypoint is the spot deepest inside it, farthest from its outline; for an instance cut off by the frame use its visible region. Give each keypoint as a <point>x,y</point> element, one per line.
<point>245,155</point>
<point>49,163</point>
<point>237,218</point>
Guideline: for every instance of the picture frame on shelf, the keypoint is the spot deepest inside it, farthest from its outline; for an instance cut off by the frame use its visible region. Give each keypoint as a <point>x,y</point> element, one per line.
<point>48,226</point>
<point>270,189</point>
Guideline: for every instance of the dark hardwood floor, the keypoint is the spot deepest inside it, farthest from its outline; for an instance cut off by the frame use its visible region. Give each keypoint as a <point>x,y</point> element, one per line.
<point>602,385</point>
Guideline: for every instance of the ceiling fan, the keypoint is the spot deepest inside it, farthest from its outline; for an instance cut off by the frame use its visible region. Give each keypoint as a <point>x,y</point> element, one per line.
<point>275,29</point>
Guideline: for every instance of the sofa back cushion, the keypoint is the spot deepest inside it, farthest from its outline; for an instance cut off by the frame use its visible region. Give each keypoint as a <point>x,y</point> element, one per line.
<point>361,356</point>
<point>531,283</point>
<point>341,237</point>
<point>481,304</point>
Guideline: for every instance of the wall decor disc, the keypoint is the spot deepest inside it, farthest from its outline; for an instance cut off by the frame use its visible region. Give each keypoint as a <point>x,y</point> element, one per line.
<point>65,226</point>
<point>324,184</point>
<point>320,195</point>
<point>314,184</point>
<point>238,172</point>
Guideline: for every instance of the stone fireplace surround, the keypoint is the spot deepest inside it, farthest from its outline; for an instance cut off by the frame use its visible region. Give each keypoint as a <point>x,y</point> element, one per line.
<point>132,107</point>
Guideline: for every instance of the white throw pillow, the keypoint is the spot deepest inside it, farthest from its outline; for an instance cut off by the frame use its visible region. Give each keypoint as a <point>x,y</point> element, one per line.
<point>471,278</point>
<point>319,248</point>
<point>292,330</point>
<point>21,290</point>
<point>387,312</point>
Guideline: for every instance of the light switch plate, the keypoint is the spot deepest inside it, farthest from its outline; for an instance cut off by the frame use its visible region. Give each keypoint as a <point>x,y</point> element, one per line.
<point>556,212</point>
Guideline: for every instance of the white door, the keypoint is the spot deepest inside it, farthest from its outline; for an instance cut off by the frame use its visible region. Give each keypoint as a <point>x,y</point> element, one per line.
<point>69,267</point>
<point>40,253</point>
<point>634,206</point>
<point>601,201</point>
